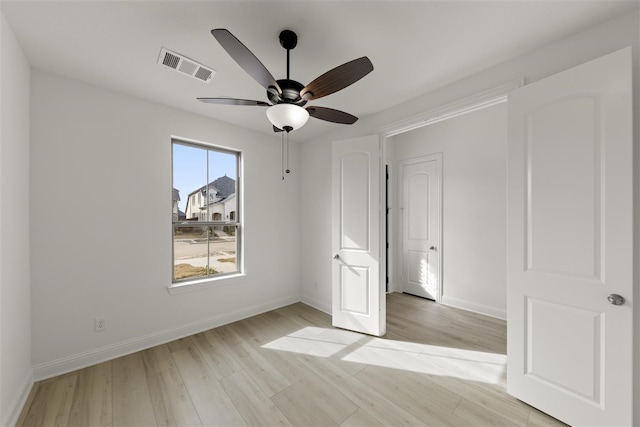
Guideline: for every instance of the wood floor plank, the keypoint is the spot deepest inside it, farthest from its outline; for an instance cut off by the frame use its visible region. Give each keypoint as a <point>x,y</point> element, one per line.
<point>540,419</point>
<point>360,419</point>
<point>254,406</point>
<point>228,334</point>
<point>131,397</point>
<point>212,403</point>
<point>216,355</point>
<point>92,399</point>
<point>496,401</point>
<point>314,395</point>
<point>171,401</point>
<point>370,400</point>
<point>180,344</point>
<point>304,315</point>
<point>479,415</point>
<point>416,393</point>
<point>299,406</point>
<point>467,365</point>
<point>267,327</point>
<point>269,379</point>
<point>157,359</point>
<point>286,363</point>
<point>52,402</point>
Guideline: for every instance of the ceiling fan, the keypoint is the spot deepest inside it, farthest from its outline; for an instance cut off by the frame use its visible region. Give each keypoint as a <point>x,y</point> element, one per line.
<point>288,97</point>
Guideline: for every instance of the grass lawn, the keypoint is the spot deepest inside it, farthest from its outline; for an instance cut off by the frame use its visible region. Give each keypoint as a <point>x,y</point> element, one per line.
<point>184,271</point>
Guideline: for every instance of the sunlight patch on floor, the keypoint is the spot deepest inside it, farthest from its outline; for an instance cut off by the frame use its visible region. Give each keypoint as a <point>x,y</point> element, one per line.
<point>350,346</point>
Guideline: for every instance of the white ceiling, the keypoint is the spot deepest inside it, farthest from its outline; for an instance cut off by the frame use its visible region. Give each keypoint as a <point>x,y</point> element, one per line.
<point>415,46</point>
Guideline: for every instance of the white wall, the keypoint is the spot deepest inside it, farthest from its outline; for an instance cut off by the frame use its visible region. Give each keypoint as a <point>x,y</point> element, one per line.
<point>558,56</point>
<point>474,148</point>
<point>107,257</point>
<point>15,286</point>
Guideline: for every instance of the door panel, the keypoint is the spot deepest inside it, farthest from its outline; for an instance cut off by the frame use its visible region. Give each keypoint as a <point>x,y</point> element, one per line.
<point>549,153</point>
<point>358,294</point>
<point>355,209</point>
<point>570,243</point>
<point>574,376</point>
<point>420,205</point>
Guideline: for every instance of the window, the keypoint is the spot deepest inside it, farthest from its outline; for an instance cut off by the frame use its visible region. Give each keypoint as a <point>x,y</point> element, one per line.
<point>206,237</point>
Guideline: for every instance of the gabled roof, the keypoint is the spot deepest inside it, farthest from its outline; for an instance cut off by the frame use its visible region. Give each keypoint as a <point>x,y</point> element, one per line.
<point>224,186</point>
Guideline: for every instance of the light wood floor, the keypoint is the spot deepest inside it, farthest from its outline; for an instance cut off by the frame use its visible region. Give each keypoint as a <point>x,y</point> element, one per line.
<point>436,366</point>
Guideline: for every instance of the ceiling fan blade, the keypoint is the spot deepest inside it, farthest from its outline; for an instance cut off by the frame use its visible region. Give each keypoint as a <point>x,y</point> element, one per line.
<point>247,60</point>
<point>337,78</point>
<point>233,101</point>
<point>331,115</point>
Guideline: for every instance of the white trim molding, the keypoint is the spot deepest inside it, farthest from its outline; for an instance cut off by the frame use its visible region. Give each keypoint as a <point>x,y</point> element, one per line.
<point>474,307</point>
<point>466,105</point>
<point>109,352</point>
<point>10,417</point>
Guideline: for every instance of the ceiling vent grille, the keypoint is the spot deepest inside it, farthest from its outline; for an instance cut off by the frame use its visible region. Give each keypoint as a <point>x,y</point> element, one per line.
<point>186,66</point>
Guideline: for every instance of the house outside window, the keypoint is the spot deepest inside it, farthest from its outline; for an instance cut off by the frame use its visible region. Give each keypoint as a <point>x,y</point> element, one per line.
<point>206,238</point>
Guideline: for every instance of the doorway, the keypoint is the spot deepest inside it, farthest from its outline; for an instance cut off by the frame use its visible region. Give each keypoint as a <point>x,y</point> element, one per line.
<point>470,231</point>
<point>420,192</point>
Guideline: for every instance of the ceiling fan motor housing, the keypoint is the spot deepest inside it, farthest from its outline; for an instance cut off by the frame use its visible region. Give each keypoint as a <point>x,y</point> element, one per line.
<point>290,93</point>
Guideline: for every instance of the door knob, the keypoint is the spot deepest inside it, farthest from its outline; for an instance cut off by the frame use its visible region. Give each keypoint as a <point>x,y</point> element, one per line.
<point>616,299</point>
<point>432,248</point>
<point>336,256</point>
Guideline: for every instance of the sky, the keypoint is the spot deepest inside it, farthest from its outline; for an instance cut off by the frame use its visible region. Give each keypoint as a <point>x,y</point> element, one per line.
<point>190,169</point>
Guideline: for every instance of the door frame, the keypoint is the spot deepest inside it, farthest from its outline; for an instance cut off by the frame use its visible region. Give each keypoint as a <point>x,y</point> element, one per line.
<point>478,101</point>
<point>437,157</point>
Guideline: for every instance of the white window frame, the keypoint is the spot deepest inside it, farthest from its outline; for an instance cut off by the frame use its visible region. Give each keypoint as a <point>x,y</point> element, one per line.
<point>188,285</point>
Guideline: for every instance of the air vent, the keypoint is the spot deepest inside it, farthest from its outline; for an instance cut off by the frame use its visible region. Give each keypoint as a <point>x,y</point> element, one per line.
<point>185,65</point>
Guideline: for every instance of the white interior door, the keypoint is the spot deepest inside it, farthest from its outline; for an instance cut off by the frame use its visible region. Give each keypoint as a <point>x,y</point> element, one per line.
<point>420,207</point>
<point>358,301</point>
<point>570,243</point>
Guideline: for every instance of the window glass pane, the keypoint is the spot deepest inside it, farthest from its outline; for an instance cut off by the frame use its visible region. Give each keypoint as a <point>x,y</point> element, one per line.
<point>221,193</point>
<point>190,248</point>
<point>222,249</point>
<point>189,177</point>
<point>208,177</point>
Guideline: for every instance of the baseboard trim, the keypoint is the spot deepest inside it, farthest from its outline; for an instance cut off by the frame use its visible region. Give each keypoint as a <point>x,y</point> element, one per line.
<point>10,417</point>
<point>316,303</point>
<point>475,307</point>
<point>102,354</point>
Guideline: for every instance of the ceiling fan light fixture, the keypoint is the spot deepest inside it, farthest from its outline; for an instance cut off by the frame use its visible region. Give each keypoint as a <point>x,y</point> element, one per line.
<point>285,116</point>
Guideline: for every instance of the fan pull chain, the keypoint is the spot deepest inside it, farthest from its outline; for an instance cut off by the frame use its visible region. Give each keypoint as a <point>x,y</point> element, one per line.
<point>283,155</point>
<point>287,146</point>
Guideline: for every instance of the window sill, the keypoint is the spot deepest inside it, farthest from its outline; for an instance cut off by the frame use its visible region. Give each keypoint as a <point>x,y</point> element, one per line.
<point>197,285</point>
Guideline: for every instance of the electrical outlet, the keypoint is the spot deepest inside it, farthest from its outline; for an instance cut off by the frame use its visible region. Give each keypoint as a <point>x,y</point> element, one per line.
<point>99,324</point>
